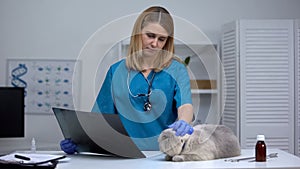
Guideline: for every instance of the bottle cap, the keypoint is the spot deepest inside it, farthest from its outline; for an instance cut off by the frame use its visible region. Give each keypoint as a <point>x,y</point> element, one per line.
<point>260,137</point>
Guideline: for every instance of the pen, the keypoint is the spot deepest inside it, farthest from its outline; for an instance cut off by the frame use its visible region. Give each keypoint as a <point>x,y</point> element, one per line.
<point>22,157</point>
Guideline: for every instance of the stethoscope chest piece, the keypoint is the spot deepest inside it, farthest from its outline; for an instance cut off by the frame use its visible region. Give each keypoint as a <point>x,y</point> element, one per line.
<point>147,106</point>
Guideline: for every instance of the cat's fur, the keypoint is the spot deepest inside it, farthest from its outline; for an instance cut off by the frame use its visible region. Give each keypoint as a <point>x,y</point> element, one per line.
<point>206,143</point>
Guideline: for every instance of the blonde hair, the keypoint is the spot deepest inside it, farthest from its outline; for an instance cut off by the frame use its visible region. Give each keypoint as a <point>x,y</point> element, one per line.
<point>158,15</point>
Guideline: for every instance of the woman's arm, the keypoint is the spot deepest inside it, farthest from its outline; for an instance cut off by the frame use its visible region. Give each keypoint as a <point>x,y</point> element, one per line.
<point>186,113</point>
<point>185,116</point>
<point>183,101</point>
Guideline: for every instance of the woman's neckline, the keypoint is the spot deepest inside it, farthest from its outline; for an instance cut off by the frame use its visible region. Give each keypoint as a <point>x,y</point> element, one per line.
<point>146,72</point>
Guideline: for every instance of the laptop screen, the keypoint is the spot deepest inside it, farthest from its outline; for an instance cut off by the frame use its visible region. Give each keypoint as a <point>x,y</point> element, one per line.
<point>97,133</point>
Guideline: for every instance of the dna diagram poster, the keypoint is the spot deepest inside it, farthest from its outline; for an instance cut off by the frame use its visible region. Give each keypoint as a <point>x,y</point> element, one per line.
<point>47,83</point>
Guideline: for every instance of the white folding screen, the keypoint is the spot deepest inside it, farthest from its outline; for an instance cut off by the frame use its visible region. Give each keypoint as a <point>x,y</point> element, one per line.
<point>263,58</point>
<point>230,50</point>
<point>297,87</point>
<point>267,82</point>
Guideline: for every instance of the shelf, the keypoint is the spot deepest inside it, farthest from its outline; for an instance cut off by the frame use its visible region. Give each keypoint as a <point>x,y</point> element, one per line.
<point>204,91</point>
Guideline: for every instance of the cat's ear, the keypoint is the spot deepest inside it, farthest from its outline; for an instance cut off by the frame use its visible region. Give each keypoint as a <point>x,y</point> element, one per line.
<point>164,135</point>
<point>161,137</point>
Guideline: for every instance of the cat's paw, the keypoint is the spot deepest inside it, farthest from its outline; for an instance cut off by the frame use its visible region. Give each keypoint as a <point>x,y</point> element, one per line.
<point>178,158</point>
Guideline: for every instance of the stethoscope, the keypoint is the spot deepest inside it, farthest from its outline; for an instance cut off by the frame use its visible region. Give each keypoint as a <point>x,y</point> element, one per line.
<point>147,105</point>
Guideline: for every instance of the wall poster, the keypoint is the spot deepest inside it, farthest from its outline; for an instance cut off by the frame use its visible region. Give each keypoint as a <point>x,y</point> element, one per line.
<point>48,83</point>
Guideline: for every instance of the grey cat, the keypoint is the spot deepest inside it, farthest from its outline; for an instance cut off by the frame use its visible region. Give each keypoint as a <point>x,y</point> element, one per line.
<point>207,142</point>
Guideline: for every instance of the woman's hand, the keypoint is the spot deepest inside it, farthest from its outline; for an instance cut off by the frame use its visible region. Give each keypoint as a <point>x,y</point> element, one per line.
<point>181,128</point>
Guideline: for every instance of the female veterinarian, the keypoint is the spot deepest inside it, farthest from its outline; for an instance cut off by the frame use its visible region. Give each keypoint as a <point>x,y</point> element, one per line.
<point>150,89</point>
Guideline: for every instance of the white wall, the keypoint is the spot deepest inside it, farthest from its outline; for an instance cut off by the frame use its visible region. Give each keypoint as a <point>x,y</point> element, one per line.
<point>58,29</point>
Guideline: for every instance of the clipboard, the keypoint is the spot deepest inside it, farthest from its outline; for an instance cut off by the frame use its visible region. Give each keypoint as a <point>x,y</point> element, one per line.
<point>33,160</point>
<point>18,165</point>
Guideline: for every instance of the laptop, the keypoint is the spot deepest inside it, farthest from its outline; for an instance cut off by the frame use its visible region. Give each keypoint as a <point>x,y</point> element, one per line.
<point>96,133</point>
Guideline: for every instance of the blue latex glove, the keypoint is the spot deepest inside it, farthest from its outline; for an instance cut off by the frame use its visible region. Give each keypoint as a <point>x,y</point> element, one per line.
<point>182,128</point>
<point>68,146</point>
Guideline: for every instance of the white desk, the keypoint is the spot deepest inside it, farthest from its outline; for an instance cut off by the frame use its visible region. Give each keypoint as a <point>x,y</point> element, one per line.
<point>155,160</point>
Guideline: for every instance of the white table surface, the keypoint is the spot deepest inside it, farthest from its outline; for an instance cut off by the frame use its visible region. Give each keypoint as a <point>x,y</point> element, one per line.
<point>155,160</point>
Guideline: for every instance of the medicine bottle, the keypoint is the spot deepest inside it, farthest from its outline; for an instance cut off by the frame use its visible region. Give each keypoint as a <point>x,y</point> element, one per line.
<point>33,146</point>
<point>260,149</point>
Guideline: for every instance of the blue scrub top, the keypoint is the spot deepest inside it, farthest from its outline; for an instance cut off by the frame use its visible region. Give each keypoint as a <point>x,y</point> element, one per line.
<point>170,90</point>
